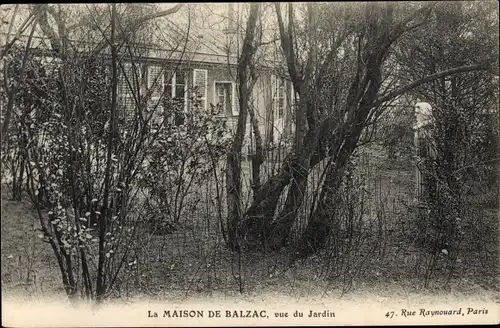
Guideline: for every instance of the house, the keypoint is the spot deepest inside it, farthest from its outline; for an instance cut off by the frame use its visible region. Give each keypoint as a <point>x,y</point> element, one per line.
<point>193,54</point>
<point>206,70</point>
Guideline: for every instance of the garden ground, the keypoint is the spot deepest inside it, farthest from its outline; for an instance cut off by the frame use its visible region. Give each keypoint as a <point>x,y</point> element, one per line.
<point>192,270</point>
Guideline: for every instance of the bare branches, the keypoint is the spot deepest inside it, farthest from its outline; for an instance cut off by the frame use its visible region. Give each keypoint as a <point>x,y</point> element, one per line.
<point>159,14</point>
<point>403,27</point>
<point>13,90</point>
<point>399,91</point>
<point>101,286</point>
<point>287,45</point>
<point>43,20</point>
<point>26,23</point>
<point>58,39</point>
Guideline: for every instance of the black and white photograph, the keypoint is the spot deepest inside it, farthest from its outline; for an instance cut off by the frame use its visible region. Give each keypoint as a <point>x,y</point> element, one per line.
<point>250,163</point>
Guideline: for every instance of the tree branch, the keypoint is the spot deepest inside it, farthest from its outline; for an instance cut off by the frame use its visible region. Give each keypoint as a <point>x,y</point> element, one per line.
<point>287,45</point>
<point>26,23</point>
<point>402,27</point>
<point>159,14</point>
<point>462,69</point>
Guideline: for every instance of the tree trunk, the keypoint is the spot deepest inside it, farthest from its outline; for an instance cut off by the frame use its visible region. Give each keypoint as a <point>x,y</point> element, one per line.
<point>234,189</point>
<point>103,220</point>
<point>257,227</point>
<point>322,221</point>
<point>258,157</point>
<point>340,132</point>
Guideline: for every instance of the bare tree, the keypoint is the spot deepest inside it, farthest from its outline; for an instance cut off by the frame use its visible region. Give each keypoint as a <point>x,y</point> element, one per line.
<point>80,118</point>
<point>243,79</point>
<point>330,128</point>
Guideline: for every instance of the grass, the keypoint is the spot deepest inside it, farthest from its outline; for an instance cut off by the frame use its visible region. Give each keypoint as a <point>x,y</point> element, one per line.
<point>28,265</point>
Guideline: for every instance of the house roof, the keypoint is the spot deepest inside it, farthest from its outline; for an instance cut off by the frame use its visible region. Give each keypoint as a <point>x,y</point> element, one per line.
<point>205,25</point>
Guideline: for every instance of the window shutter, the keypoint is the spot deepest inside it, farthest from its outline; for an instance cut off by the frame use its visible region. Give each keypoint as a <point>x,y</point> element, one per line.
<point>155,86</point>
<point>274,93</point>
<point>200,81</point>
<point>236,104</point>
<point>136,77</point>
<point>155,81</point>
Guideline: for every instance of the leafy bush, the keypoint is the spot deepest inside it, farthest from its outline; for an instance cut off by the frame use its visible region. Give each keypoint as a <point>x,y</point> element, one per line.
<point>181,157</point>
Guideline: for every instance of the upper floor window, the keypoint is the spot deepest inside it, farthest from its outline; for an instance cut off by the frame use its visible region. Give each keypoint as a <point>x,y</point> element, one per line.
<point>231,18</point>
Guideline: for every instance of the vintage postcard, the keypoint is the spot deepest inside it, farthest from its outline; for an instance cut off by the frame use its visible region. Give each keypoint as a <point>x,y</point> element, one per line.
<point>250,164</point>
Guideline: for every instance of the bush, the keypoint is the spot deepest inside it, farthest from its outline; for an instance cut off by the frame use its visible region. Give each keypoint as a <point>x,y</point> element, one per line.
<point>180,159</point>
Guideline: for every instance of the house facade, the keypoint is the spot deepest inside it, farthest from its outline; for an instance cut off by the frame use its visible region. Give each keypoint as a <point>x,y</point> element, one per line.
<point>213,83</point>
<point>193,54</point>
<point>206,70</point>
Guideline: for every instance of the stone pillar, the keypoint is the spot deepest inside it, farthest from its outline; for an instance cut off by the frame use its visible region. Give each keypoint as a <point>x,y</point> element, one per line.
<point>425,150</point>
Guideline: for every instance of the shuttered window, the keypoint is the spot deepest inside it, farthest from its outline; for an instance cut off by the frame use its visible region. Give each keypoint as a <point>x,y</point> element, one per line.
<point>169,83</point>
<point>225,100</point>
<point>155,86</point>
<point>200,81</point>
<point>176,86</point>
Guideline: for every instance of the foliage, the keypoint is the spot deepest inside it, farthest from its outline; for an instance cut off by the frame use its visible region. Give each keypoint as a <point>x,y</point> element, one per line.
<point>181,157</point>
<point>107,179</point>
<point>31,105</point>
<point>462,147</point>
<point>395,132</point>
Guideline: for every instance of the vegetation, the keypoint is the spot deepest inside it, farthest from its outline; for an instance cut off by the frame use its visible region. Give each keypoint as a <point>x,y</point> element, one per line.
<point>146,197</point>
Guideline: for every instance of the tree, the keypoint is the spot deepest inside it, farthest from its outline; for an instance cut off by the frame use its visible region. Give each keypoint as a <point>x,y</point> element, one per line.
<point>464,131</point>
<point>244,82</point>
<point>351,56</point>
<point>83,159</point>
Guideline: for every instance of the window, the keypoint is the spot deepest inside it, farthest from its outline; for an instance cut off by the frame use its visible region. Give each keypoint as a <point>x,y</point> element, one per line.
<point>231,18</point>
<point>176,86</point>
<point>175,95</point>
<point>224,99</point>
<point>200,80</point>
<point>278,89</point>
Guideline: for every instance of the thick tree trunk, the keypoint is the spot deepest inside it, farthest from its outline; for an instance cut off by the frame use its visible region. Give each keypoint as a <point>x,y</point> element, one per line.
<point>256,224</point>
<point>258,228</point>
<point>322,221</point>
<point>233,177</point>
<point>234,189</point>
